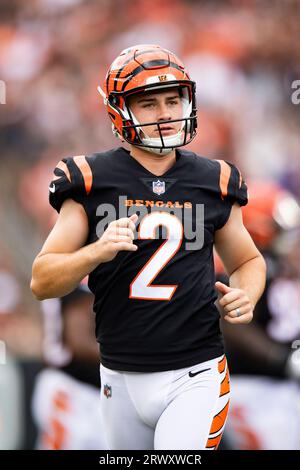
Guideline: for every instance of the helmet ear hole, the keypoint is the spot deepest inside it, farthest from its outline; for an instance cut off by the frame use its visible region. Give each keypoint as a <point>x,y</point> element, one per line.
<point>129,134</point>
<point>114,100</point>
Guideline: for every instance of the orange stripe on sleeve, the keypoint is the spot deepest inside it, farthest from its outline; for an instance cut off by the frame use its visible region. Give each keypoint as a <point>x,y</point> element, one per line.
<point>86,171</point>
<point>62,166</point>
<point>225,172</point>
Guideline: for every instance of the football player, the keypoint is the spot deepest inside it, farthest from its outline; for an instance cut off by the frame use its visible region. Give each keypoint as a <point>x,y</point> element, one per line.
<point>142,223</point>
<point>65,402</point>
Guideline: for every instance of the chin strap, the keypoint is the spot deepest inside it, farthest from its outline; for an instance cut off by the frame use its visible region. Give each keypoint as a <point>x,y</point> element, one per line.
<point>157,151</point>
<point>169,141</point>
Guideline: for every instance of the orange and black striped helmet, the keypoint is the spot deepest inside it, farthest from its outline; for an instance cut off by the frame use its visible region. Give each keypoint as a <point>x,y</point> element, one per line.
<point>145,68</point>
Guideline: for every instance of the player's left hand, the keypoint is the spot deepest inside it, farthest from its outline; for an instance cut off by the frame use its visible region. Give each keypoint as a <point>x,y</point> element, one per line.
<point>235,303</point>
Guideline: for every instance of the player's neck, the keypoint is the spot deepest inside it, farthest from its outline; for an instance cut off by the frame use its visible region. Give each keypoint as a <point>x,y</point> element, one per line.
<point>156,164</point>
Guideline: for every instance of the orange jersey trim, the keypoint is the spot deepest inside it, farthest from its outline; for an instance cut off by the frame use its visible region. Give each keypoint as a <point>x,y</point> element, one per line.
<point>86,172</point>
<point>225,173</point>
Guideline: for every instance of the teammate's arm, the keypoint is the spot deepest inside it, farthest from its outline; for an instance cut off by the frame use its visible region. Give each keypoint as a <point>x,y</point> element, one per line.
<point>245,267</point>
<point>64,260</point>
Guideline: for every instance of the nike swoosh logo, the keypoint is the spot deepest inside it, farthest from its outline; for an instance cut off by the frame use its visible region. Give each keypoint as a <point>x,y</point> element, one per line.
<point>192,374</point>
<point>52,188</point>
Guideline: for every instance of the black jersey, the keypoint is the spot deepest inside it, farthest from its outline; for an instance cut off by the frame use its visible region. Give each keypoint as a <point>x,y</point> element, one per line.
<point>155,308</point>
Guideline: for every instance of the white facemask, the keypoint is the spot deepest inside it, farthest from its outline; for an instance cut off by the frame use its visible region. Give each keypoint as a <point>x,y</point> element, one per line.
<point>169,141</point>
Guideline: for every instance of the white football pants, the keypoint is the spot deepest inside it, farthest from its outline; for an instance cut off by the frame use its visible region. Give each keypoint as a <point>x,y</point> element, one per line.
<point>177,409</point>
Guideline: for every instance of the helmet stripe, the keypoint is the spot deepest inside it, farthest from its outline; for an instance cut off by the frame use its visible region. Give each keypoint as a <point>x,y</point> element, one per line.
<point>107,82</point>
<point>127,62</point>
<point>148,65</point>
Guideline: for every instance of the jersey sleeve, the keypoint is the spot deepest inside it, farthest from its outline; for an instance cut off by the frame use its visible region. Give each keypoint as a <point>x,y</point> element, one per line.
<point>232,185</point>
<point>237,188</point>
<point>232,189</point>
<point>72,179</point>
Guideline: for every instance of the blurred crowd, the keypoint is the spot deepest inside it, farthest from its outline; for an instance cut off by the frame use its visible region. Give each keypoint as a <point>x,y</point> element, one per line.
<point>243,54</point>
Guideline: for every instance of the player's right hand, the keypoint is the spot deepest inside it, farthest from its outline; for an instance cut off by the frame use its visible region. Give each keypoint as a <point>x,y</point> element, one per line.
<point>118,236</point>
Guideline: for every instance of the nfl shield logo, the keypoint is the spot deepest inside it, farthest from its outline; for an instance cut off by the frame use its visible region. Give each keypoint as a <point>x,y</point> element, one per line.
<point>158,187</point>
<point>107,391</point>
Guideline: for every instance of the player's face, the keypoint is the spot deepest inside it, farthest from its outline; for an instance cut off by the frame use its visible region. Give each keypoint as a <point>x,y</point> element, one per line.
<point>157,107</point>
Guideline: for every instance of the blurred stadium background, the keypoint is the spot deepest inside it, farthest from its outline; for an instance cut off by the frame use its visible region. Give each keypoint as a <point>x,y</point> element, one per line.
<point>244,56</point>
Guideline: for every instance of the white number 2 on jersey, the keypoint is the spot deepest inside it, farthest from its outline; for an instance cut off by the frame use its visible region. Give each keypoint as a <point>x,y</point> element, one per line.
<point>141,287</point>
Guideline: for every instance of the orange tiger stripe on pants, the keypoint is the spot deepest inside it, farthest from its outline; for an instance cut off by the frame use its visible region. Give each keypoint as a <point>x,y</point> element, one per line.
<point>218,423</point>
